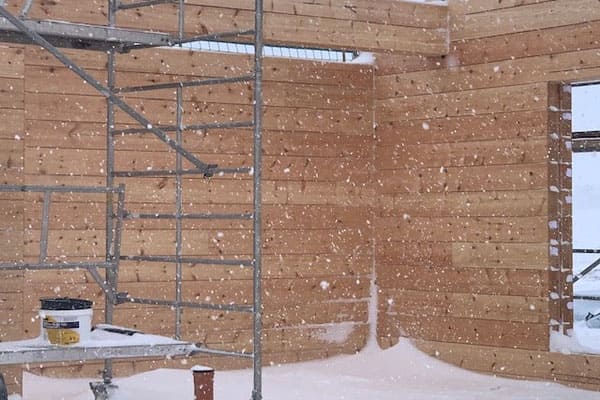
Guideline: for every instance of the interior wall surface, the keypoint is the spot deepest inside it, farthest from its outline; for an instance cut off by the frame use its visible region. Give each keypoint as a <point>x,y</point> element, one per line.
<point>463,155</point>
<point>317,194</point>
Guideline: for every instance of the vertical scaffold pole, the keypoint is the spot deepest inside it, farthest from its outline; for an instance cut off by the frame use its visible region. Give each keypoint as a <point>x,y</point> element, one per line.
<point>178,219</point>
<point>178,193</point>
<point>110,161</point>
<point>257,250</point>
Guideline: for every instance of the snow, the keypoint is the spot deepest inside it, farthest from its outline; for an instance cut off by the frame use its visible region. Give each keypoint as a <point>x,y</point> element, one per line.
<point>584,340</point>
<point>364,58</point>
<point>335,333</point>
<point>98,338</point>
<point>584,103</point>
<point>586,219</point>
<point>402,372</point>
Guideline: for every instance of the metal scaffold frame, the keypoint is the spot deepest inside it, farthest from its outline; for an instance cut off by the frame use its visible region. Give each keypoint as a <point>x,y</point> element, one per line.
<point>53,34</point>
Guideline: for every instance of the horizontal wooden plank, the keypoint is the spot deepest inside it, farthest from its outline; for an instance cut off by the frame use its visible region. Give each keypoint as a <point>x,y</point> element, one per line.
<point>466,255</point>
<point>11,245</point>
<point>563,38</point>
<point>390,64</point>
<point>92,162</point>
<point>275,291</point>
<point>90,243</point>
<point>93,109</point>
<point>50,79</point>
<point>523,203</point>
<point>489,5</point>
<point>393,276</point>
<point>79,214</point>
<point>463,229</point>
<point>11,216</point>
<point>469,102</point>
<point>485,152</point>
<point>361,35</point>
<point>12,95</point>
<point>469,331</point>
<point>517,362</point>
<point>463,305</point>
<point>290,28</point>
<point>83,135</point>
<point>11,154</point>
<point>463,179</point>
<point>529,255</point>
<point>553,67</point>
<point>281,266</point>
<point>493,127</point>
<point>163,63</point>
<point>388,12</point>
<point>12,62</point>
<point>517,19</point>
<point>12,124</point>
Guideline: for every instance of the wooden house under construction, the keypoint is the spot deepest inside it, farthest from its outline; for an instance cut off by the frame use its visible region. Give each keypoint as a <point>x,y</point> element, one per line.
<point>434,181</point>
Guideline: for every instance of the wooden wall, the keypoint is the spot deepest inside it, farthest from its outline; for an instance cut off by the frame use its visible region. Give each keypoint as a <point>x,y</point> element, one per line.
<point>317,198</point>
<point>388,25</point>
<point>461,237</point>
<point>12,72</point>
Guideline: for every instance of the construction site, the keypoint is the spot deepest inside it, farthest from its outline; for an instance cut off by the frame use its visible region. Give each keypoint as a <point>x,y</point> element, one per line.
<point>353,172</point>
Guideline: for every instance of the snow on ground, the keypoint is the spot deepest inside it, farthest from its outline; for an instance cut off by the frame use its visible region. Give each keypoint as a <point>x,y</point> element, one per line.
<point>402,372</point>
<point>586,223</point>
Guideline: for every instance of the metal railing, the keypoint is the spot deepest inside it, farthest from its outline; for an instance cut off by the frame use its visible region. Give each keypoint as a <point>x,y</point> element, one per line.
<point>112,251</point>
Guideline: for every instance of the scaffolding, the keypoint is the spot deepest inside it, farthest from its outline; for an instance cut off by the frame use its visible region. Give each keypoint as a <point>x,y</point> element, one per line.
<point>52,35</point>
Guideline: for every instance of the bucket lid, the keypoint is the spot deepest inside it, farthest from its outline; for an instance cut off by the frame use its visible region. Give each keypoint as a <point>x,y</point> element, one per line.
<point>65,303</point>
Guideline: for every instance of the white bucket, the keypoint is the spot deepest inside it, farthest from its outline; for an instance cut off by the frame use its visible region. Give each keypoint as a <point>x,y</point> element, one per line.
<point>65,321</point>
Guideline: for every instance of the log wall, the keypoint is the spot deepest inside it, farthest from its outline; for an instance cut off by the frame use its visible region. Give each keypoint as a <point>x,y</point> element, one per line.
<point>464,164</point>
<point>317,199</point>
<point>12,115</point>
<point>388,25</point>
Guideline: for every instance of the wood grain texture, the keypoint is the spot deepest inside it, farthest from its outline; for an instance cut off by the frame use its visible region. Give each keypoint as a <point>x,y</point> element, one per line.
<point>446,172</point>
<point>391,26</point>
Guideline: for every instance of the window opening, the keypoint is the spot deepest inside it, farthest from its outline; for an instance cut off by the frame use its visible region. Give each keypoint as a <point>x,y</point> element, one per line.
<point>584,146</point>
<point>301,53</point>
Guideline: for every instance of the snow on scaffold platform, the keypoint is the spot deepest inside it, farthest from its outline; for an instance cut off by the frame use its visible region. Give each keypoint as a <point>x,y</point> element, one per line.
<point>105,342</point>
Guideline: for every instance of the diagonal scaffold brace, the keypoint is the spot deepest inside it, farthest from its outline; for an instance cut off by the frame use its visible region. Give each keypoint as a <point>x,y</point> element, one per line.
<point>206,169</point>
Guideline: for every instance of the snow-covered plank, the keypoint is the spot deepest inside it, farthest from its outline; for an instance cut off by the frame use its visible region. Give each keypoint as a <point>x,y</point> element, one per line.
<point>101,345</point>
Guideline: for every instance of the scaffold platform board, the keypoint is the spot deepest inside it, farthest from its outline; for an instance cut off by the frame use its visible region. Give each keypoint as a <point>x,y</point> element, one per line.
<point>82,36</point>
<point>105,342</point>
